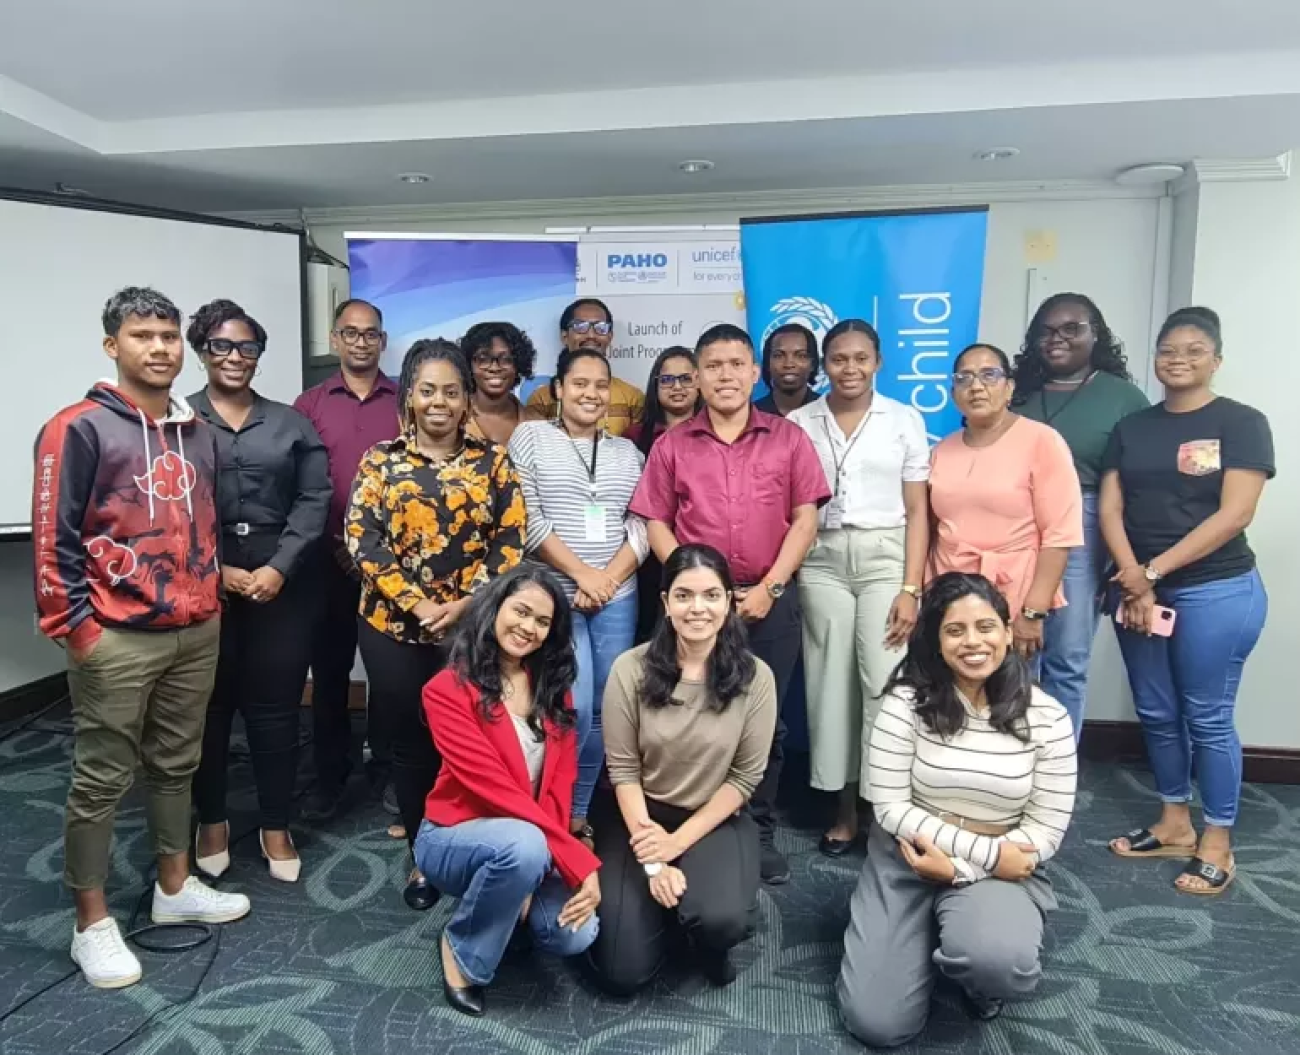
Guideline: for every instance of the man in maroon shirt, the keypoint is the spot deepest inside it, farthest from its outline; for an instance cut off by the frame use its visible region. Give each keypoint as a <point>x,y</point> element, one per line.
<point>749,484</point>
<point>352,411</point>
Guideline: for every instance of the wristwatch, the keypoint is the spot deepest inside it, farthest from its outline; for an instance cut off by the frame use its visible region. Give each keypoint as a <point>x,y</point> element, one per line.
<point>1033,615</point>
<point>1152,573</point>
<point>911,588</point>
<point>652,869</point>
<point>775,590</point>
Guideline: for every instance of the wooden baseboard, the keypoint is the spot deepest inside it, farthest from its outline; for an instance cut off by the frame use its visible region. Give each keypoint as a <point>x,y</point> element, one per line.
<point>1107,741</point>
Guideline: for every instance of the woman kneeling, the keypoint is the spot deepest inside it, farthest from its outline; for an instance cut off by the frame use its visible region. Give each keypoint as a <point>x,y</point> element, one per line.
<point>496,827</point>
<point>972,775</point>
<point>688,723</point>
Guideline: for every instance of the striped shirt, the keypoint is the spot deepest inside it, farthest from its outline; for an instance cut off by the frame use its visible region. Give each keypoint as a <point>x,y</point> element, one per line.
<point>554,474</point>
<point>979,774</point>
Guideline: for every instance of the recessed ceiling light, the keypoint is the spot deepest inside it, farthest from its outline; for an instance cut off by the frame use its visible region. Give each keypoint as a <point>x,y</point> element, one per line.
<point>694,165</point>
<point>1148,175</point>
<point>414,177</point>
<point>997,154</point>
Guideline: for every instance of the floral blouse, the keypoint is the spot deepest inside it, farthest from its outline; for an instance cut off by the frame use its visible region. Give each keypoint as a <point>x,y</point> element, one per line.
<point>421,530</point>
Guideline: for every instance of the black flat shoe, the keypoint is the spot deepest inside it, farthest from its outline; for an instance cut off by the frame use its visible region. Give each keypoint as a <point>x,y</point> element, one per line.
<point>983,1008</point>
<point>472,1000</point>
<point>836,847</point>
<point>420,895</point>
<point>717,967</point>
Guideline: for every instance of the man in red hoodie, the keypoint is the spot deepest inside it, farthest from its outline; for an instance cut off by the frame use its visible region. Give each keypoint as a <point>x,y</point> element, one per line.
<point>125,528</point>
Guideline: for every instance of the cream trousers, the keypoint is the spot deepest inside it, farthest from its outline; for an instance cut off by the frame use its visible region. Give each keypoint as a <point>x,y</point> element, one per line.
<point>847,584</point>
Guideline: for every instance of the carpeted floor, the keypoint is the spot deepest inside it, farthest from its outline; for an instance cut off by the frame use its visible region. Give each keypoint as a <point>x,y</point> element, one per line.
<point>338,964</point>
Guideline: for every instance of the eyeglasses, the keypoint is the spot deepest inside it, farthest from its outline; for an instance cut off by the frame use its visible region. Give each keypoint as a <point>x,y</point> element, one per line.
<point>988,377</point>
<point>600,329</point>
<point>351,335</point>
<point>220,347</point>
<point>1183,355</point>
<point>493,362</point>
<point>1070,331</point>
<point>676,380</point>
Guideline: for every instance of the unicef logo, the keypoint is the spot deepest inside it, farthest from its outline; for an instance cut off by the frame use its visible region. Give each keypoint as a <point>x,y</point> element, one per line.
<point>817,316</point>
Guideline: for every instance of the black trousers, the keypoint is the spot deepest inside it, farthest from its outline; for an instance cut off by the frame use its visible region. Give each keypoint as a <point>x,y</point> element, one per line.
<point>398,673</point>
<point>776,640</point>
<point>333,651</point>
<point>716,913</point>
<point>261,672</point>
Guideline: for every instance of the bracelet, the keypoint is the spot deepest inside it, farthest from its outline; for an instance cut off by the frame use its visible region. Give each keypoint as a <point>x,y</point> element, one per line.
<point>1033,614</point>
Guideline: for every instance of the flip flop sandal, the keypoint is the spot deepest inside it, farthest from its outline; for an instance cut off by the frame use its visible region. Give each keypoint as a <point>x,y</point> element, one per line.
<point>1213,875</point>
<point>1141,843</point>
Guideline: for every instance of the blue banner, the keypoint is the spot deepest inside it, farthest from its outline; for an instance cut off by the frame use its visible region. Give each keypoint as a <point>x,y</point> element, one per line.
<point>916,277</point>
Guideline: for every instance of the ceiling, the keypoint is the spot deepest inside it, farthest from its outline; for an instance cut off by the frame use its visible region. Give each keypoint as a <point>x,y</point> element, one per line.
<point>250,105</point>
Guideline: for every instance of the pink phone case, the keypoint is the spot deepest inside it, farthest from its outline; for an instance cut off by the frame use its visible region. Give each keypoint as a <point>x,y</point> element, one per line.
<point>1163,624</point>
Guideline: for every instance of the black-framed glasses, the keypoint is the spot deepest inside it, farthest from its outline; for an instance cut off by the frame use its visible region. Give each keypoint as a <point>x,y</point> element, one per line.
<point>1069,331</point>
<point>351,335</point>
<point>600,329</point>
<point>220,347</point>
<point>493,362</point>
<point>676,380</point>
<point>988,377</point>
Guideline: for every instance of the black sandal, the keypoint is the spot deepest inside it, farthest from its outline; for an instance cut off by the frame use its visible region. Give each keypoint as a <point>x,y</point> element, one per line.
<point>1216,878</point>
<point>1141,843</point>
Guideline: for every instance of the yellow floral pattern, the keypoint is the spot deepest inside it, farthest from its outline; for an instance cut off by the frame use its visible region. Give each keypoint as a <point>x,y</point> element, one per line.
<point>421,530</point>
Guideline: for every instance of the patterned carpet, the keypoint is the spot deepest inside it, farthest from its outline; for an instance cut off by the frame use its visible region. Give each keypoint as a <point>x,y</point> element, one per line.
<point>339,965</point>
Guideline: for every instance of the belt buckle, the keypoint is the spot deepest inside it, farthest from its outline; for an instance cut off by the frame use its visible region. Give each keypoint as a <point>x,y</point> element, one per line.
<point>242,529</point>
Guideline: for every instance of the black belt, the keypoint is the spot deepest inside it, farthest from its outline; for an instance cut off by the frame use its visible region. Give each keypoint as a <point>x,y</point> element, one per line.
<point>243,529</point>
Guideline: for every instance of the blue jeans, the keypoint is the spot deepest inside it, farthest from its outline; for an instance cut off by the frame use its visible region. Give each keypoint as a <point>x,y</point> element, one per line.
<point>1069,632</point>
<point>493,865</point>
<point>599,638</point>
<point>1185,689</point>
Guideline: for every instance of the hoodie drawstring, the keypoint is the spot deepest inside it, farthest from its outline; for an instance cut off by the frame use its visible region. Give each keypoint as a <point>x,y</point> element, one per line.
<point>185,481</point>
<point>148,461</point>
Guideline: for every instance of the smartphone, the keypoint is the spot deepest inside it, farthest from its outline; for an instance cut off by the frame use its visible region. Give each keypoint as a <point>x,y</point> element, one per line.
<point>1162,620</point>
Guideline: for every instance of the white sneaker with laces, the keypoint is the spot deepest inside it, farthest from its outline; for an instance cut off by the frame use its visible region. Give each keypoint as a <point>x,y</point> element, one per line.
<point>196,903</point>
<point>103,957</point>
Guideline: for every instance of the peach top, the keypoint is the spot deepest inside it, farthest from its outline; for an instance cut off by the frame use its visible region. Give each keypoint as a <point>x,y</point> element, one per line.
<point>995,507</point>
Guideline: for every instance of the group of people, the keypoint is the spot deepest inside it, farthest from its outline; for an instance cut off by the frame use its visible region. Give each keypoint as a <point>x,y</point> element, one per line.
<point>579,618</point>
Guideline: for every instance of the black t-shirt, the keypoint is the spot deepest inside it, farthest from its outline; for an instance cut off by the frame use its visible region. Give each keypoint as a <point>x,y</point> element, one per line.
<point>1171,470</point>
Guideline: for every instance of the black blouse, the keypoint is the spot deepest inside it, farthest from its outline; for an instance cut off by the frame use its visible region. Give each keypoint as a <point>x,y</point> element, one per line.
<point>273,485</point>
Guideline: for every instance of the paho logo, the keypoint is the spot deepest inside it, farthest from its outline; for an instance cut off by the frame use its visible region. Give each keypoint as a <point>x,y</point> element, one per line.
<point>806,311</point>
<point>640,261</point>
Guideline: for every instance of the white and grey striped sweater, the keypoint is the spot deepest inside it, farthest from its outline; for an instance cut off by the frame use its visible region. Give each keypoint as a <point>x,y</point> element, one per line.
<point>979,774</point>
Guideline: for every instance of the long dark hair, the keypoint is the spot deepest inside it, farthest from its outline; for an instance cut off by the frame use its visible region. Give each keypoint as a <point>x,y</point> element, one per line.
<point>1030,373</point>
<point>430,350</point>
<point>552,669</point>
<point>731,664</point>
<point>927,675</point>
<point>652,415</point>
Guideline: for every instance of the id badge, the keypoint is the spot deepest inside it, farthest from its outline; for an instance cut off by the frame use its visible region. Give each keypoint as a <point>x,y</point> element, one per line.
<point>835,513</point>
<point>593,521</point>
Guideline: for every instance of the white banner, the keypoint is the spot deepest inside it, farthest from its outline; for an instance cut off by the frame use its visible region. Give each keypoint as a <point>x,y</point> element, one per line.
<point>662,293</point>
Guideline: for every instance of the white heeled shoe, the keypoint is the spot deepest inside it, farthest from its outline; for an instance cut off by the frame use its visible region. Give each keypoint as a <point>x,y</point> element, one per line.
<point>285,871</point>
<point>214,865</point>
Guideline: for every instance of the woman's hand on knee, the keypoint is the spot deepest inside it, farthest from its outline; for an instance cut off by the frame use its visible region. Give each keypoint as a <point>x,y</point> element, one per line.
<point>582,906</point>
<point>667,886</point>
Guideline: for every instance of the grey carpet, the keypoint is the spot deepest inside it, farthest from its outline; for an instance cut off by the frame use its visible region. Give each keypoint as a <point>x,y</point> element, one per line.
<point>338,964</point>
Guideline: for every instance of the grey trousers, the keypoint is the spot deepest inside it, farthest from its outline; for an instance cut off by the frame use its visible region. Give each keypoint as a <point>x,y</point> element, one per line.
<point>986,937</point>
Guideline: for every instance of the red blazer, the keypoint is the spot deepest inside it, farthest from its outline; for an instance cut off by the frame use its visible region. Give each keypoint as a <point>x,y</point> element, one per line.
<point>483,773</point>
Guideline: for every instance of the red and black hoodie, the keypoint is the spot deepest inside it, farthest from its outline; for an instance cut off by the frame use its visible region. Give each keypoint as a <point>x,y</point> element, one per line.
<point>124,519</point>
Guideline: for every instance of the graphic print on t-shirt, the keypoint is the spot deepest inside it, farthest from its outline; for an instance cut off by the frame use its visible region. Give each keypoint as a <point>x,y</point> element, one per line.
<point>1199,457</point>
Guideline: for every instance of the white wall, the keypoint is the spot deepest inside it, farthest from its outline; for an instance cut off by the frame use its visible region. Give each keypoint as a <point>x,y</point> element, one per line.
<point>1247,268</point>
<point>24,654</point>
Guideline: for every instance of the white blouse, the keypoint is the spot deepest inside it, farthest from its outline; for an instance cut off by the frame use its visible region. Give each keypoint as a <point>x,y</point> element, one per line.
<point>886,450</point>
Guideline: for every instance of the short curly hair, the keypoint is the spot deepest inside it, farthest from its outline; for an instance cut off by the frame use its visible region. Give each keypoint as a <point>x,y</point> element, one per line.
<point>216,314</point>
<point>479,338</point>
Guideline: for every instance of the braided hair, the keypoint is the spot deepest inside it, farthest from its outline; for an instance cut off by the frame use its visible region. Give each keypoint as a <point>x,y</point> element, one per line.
<point>1030,372</point>
<point>216,314</point>
<point>428,350</point>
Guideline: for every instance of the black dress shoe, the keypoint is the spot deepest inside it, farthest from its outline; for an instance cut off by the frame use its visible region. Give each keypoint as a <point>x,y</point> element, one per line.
<point>836,847</point>
<point>717,967</point>
<point>420,895</point>
<point>772,865</point>
<point>983,1008</point>
<point>321,804</point>
<point>472,1000</point>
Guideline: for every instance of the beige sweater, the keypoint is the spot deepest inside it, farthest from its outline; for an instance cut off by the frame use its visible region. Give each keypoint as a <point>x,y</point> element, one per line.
<point>683,753</point>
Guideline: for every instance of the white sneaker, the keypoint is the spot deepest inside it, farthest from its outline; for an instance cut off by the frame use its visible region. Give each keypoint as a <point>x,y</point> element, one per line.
<point>103,956</point>
<point>196,903</point>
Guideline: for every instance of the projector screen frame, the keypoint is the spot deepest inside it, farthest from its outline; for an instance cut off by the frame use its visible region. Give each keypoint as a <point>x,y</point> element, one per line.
<point>90,204</point>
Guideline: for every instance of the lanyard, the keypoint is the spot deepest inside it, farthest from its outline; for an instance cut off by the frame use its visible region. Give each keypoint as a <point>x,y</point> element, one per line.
<point>840,462</point>
<point>589,470</point>
<point>1042,397</point>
